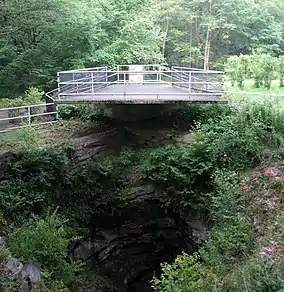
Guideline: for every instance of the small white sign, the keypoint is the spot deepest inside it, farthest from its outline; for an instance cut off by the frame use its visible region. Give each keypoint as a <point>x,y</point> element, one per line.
<point>136,77</point>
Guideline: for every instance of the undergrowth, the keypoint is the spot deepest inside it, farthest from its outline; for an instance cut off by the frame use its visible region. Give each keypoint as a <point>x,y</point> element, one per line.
<point>228,142</point>
<point>231,259</point>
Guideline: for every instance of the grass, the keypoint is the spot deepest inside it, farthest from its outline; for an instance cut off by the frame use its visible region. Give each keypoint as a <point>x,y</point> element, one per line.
<point>31,138</point>
<point>249,87</point>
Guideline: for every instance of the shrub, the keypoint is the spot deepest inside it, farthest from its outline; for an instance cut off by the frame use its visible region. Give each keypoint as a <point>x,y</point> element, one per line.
<point>22,139</point>
<point>236,69</point>
<point>81,112</point>
<point>181,276</point>
<point>226,202</point>
<point>34,178</point>
<point>228,243</point>
<point>181,172</point>
<point>32,96</point>
<point>45,241</point>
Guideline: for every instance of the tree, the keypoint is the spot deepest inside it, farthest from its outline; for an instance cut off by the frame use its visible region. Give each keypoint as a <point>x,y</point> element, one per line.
<point>201,31</point>
<point>281,70</point>
<point>41,37</point>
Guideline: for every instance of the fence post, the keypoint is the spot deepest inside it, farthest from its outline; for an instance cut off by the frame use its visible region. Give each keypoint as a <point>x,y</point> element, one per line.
<point>189,85</point>
<point>92,74</point>
<point>29,114</point>
<point>58,84</point>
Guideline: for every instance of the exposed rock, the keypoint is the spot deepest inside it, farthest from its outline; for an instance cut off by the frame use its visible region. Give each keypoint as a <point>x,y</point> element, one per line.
<point>14,266</point>
<point>130,244</point>
<point>31,272</point>
<point>94,144</point>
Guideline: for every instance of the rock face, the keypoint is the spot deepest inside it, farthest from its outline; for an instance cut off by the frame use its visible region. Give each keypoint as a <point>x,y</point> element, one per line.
<point>5,157</point>
<point>26,275</point>
<point>130,245</point>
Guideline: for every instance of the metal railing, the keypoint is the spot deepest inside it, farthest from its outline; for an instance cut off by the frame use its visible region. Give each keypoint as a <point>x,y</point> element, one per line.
<point>13,118</point>
<point>91,81</point>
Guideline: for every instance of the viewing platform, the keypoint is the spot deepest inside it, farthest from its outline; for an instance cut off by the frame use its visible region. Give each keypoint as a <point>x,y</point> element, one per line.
<point>138,84</point>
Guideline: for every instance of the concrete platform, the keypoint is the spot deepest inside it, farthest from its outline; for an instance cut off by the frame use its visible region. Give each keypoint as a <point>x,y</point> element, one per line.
<point>141,94</point>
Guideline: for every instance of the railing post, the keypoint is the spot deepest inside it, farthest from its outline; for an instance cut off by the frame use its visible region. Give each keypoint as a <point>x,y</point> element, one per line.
<point>58,84</point>
<point>29,114</point>
<point>189,85</point>
<point>56,115</point>
<point>92,82</point>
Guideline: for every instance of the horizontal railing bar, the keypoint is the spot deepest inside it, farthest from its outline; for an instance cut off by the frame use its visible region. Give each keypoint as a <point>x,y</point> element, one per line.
<point>196,69</point>
<point>25,126</point>
<point>90,77</point>
<point>82,70</point>
<point>14,118</point>
<point>152,72</point>
<point>26,106</point>
<point>132,82</point>
<point>137,93</point>
<point>27,116</point>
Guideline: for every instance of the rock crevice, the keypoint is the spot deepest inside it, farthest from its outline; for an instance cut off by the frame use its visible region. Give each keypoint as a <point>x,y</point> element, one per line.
<point>130,245</point>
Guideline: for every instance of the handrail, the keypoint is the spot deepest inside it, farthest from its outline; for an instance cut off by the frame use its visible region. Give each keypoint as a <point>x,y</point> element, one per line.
<point>95,79</point>
<point>28,115</point>
<point>26,106</point>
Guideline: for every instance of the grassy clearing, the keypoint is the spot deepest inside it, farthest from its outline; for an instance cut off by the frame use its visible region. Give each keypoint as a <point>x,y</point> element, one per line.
<point>249,86</point>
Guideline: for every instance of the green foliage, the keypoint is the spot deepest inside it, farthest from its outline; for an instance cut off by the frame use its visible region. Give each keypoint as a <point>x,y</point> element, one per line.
<point>226,27</point>
<point>31,97</point>
<point>33,48</point>
<point>236,69</point>
<point>42,179</point>
<point>226,202</point>
<point>4,254</point>
<point>195,115</point>
<point>34,178</point>
<point>45,241</point>
<point>228,243</point>
<point>22,139</point>
<point>263,68</point>
<point>261,276</point>
<point>179,171</point>
<point>181,276</point>
<point>281,70</point>
<point>81,112</point>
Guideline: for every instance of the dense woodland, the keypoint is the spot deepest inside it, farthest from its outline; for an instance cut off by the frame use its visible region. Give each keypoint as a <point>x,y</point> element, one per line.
<point>229,171</point>
<point>39,38</point>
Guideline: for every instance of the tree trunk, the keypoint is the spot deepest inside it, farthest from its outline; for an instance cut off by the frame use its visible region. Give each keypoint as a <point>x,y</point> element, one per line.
<point>207,49</point>
<point>198,33</point>
<point>166,35</point>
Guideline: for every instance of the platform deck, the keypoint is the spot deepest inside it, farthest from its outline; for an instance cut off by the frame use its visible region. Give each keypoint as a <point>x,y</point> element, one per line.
<point>139,94</point>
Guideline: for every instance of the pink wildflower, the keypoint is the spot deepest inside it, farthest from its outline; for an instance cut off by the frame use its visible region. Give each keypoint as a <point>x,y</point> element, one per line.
<point>269,250</point>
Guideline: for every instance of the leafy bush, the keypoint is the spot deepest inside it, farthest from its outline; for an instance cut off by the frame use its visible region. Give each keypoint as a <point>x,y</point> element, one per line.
<point>226,202</point>
<point>229,242</point>
<point>22,139</point>
<point>45,241</point>
<point>261,276</point>
<point>32,96</point>
<point>181,276</point>
<point>81,112</point>
<point>199,114</point>
<point>34,178</point>
<point>236,69</point>
<point>182,172</point>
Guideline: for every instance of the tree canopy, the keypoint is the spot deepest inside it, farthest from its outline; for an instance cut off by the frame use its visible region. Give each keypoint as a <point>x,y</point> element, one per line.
<point>40,37</point>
